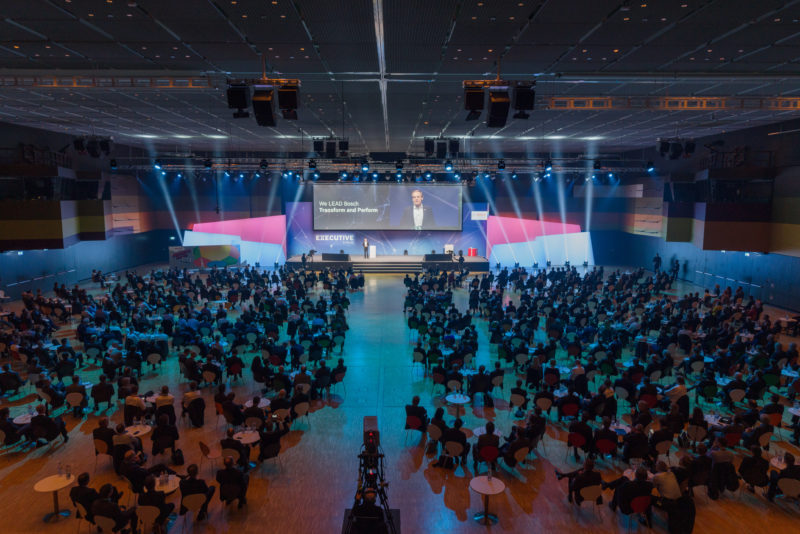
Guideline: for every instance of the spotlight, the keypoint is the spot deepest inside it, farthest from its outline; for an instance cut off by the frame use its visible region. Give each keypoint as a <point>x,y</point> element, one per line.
<point>514,176</point>
<point>227,174</point>
<point>548,165</point>
<point>179,176</point>
<point>589,178</point>
<point>284,173</point>
<point>289,174</point>
<point>611,176</point>
<point>428,175</point>
<point>501,164</point>
<point>457,175</point>
<point>241,176</point>
<point>207,163</point>
<point>113,164</point>
<point>536,178</point>
<point>399,177</point>
<point>448,165</point>
<point>316,175</point>
<point>489,176</point>
<point>343,175</point>
<point>312,164</point>
<point>365,167</point>
<point>256,175</point>
<point>650,166</point>
<point>157,164</point>
<point>163,173</point>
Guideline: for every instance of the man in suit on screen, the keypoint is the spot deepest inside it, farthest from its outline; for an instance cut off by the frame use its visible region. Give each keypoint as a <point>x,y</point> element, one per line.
<point>417,216</point>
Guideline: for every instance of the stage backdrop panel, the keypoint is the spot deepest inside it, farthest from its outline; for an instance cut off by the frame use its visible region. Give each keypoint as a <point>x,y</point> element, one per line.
<point>264,254</point>
<point>256,229</point>
<point>301,236</point>
<point>575,248</point>
<point>504,230</point>
<point>204,256</point>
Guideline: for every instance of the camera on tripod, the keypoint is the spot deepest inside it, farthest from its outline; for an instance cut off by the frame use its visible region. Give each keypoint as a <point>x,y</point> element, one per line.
<point>370,513</point>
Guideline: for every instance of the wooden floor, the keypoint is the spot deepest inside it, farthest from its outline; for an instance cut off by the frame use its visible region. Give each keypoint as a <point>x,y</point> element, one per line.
<point>308,491</point>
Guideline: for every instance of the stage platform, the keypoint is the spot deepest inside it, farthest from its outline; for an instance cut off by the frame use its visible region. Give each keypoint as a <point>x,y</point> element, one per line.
<point>392,264</point>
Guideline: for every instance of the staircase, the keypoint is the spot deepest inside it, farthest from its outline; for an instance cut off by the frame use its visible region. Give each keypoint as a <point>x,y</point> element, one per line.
<point>387,267</point>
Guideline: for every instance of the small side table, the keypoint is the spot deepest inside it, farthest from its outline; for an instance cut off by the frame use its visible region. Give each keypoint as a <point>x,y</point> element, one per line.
<point>53,484</point>
<point>486,487</point>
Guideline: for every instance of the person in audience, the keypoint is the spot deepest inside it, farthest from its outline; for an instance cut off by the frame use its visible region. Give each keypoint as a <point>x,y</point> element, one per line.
<point>102,392</point>
<point>103,433</point>
<point>625,490</point>
<point>132,470</point>
<point>152,497</point>
<point>77,387</point>
<point>236,482</point>
<point>106,506</point>
<point>13,432</point>
<point>47,427</point>
<point>86,496</point>
<point>415,410</point>
<point>579,479</point>
<point>753,469</point>
<point>666,483</point>
<point>791,471</point>
<point>191,485</point>
<point>270,438</point>
<point>164,435</point>
<point>487,439</point>
<point>229,442</point>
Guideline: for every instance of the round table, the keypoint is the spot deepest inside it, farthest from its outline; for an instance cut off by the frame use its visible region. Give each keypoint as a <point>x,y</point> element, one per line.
<point>171,486</point>
<point>485,486</point>
<point>793,411</point>
<point>263,403</point>
<point>712,420</point>
<point>778,463</point>
<point>23,419</point>
<point>724,381</point>
<point>138,430</point>
<point>481,430</point>
<point>54,483</point>
<point>458,399</point>
<point>246,436</point>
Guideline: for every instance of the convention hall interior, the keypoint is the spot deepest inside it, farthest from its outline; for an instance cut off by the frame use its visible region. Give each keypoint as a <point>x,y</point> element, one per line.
<point>399,266</point>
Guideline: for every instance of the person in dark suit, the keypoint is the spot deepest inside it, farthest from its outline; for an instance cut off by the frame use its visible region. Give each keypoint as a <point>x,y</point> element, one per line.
<point>153,497</point>
<point>417,216</point>
<point>86,496</point>
<point>635,444</point>
<point>231,476</point>
<point>192,485</point>
<point>414,409</point>
<point>455,434</point>
<point>164,435</point>
<point>136,474</point>
<point>270,444</point>
<point>230,443</point>
<point>790,471</point>
<point>488,439</point>
<point>106,506</point>
<point>12,430</point>
<point>366,248</point>
<point>582,478</point>
<point>753,469</point>
<point>49,427</point>
<point>626,490</point>
<point>103,433</point>
<point>102,392</point>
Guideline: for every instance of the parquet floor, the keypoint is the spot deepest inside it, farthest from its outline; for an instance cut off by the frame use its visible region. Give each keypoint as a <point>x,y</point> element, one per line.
<point>315,479</point>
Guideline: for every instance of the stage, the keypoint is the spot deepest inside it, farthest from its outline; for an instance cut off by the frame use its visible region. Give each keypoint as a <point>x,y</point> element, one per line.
<point>391,264</point>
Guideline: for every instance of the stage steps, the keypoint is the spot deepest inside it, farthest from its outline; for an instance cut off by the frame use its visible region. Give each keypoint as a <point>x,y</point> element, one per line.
<point>387,267</point>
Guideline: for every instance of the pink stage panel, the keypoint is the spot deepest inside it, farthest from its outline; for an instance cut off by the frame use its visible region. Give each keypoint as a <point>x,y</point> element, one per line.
<point>258,229</point>
<point>502,230</point>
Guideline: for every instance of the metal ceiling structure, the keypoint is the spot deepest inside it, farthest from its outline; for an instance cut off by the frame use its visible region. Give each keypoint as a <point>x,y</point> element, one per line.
<point>388,73</point>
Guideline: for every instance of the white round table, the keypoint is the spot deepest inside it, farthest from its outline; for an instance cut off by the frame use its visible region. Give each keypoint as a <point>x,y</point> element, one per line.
<point>485,486</point>
<point>23,419</point>
<point>263,403</point>
<point>793,411</point>
<point>458,399</point>
<point>137,430</point>
<point>246,437</point>
<point>52,484</point>
<point>777,462</point>
<point>171,486</point>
